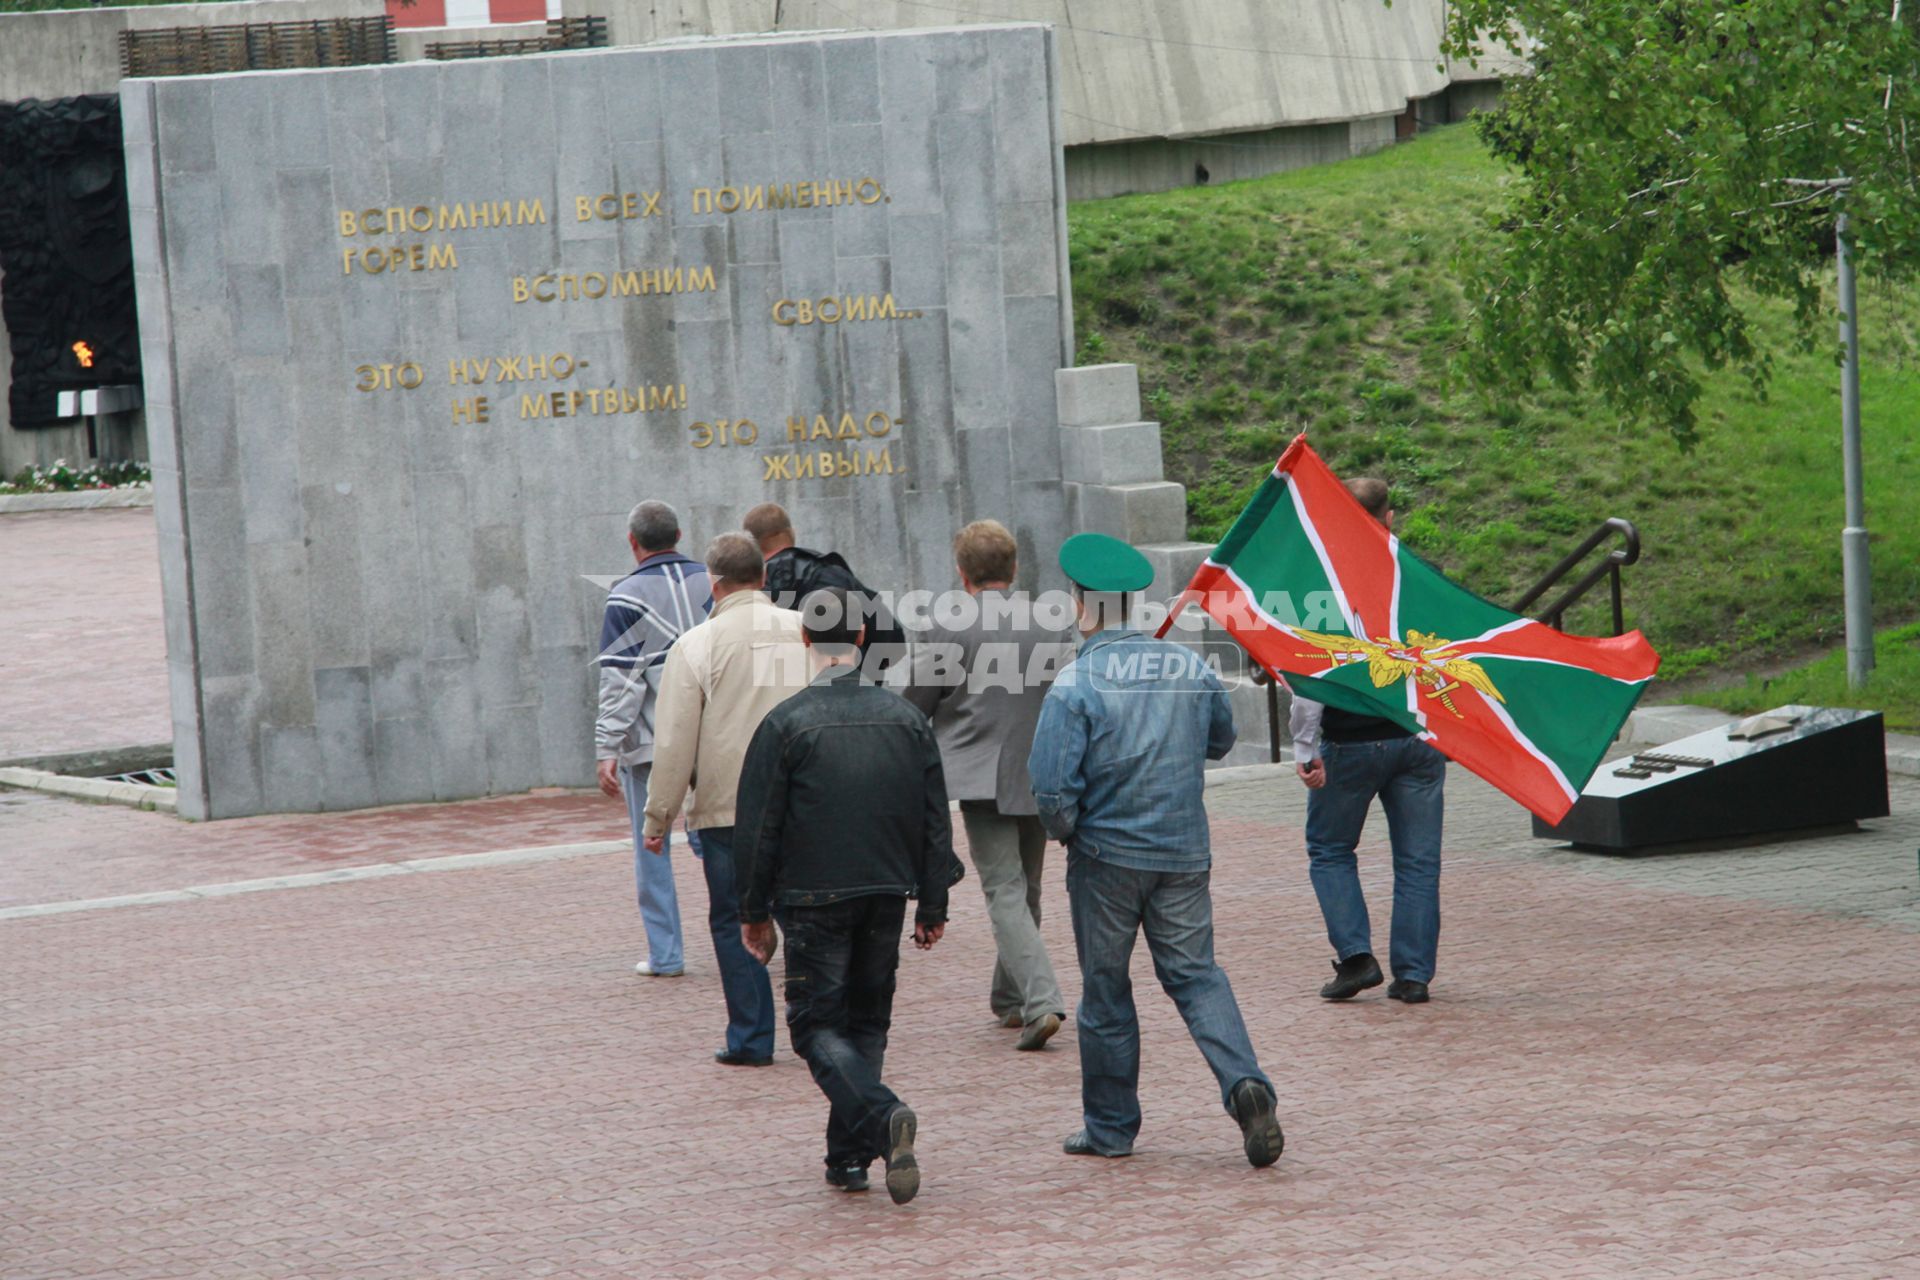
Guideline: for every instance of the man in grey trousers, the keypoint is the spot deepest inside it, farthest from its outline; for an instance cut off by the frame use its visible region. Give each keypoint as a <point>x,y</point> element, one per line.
<point>982,683</point>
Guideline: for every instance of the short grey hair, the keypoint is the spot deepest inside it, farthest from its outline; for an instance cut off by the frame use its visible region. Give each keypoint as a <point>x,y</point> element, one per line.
<point>655,526</point>
<point>734,559</point>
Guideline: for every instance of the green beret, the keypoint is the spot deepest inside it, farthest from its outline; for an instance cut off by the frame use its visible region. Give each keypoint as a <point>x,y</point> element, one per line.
<point>1102,563</point>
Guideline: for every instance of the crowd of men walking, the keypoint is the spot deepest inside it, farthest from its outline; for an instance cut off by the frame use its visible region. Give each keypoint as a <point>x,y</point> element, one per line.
<point>742,692</point>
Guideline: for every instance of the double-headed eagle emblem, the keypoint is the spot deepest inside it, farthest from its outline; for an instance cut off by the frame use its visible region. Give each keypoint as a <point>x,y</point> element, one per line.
<point>1430,662</point>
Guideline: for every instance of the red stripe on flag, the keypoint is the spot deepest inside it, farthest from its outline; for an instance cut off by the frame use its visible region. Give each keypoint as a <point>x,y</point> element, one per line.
<point>1358,549</point>
<point>1628,657</point>
<point>1494,748</point>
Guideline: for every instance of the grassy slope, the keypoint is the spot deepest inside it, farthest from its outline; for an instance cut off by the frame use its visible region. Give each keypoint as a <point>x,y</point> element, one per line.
<point>1894,686</point>
<point>1325,300</point>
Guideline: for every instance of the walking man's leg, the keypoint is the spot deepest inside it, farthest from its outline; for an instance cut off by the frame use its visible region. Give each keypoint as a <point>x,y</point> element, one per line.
<point>653,880</point>
<point>1336,815</point>
<point>1178,919</point>
<point>748,989</point>
<point>1023,976</point>
<point>1414,799</point>
<point>1105,901</point>
<point>839,989</point>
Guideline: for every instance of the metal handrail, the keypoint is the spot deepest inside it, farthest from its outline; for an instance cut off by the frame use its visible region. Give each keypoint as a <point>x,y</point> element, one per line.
<point>1625,554</point>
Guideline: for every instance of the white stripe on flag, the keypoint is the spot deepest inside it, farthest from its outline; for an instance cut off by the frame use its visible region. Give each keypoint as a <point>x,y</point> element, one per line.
<point>1393,609</point>
<point>1354,627</point>
<point>1572,792</point>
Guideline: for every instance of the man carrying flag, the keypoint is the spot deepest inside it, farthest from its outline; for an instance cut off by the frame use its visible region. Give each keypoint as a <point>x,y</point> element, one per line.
<point>1346,760</point>
<point>1313,586</point>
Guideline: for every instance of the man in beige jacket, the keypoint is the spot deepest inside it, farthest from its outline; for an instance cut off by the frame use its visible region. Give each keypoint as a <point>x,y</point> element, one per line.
<point>721,679</point>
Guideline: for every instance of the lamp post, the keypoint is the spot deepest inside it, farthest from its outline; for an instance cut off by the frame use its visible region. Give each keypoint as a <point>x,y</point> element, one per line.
<point>1856,579</point>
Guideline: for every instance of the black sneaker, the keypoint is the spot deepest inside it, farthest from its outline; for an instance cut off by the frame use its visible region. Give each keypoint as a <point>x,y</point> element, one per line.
<point>903,1171</point>
<point>1252,1104</point>
<point>852,1177</point>
<point>1407,990</point>
<point>1352,976</point>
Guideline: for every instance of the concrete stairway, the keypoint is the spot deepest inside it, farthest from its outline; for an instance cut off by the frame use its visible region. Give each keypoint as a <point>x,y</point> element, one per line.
<point>1116,483</point>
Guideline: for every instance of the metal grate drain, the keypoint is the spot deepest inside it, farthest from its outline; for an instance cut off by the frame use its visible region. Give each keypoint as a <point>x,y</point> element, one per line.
<point>146,778</point>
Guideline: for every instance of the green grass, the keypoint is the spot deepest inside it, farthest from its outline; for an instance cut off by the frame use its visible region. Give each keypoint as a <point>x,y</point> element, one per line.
<point>1894,686</point>
<point>1325,300</point>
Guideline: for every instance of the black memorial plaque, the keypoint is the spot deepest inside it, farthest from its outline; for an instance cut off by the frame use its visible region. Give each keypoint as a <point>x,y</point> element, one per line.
<point>1783,770</point>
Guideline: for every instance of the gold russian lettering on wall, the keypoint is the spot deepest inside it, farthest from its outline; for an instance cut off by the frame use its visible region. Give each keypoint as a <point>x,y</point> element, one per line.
<point>618,205</point>
<point>477,372</point>
<point>401,219</point>
<point>603,400</point>
<point>828,464</point>
<point>374,260</point>
<point>391,376</point>
<point>723,432</point>
<point>846,427</point>
<point>847,309</point>
<point>594,285</point>
<point>472,409</point>
<point>788,195</point>
<point>837,459</point>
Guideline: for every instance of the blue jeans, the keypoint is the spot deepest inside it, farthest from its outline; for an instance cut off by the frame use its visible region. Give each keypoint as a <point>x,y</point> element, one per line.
<point>842,960</point>
<point>1409,777</point>
<point>743,979</point>
<point>653,877</point>
<point>1110,906</point>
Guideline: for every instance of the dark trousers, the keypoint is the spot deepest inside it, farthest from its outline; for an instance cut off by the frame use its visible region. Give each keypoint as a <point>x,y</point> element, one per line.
<point>841,959</point>
<point>743,979</point>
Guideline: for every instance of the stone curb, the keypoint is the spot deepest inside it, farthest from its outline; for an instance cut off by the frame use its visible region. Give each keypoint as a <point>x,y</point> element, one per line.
<point>81,500</point>
<point>1651,726</point>
<point>133,794</point>
<point>98,763</point>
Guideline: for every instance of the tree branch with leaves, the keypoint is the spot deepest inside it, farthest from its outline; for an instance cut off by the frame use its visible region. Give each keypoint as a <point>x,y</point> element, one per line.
<point>1677,158</point>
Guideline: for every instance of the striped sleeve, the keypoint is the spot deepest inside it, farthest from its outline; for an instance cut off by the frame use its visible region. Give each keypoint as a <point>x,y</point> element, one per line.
<point>622,633</point>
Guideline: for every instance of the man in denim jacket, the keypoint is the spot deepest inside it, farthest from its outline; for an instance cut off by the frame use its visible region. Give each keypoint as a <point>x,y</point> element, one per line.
<point>1118,768</point>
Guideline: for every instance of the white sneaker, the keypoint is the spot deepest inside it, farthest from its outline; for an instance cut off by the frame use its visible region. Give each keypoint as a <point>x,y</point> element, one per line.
<point>646,970</point>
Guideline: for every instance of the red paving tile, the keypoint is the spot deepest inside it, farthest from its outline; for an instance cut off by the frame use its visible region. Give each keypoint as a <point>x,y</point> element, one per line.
<point>57,850</point>
<point>83,648</point>
<point>458,1075</point>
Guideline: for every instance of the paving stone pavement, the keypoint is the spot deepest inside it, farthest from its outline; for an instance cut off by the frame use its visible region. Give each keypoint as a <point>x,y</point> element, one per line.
<point>58,850</point>
<point>1700,1065</point>
<point>83,654</point>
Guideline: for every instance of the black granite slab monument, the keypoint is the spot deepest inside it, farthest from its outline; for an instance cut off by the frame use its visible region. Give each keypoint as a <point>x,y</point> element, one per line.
<point>1787,769</point>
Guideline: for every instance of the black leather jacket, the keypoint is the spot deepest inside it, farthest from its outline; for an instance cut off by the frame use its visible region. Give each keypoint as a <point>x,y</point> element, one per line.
<point>794,571</point>
<point>841,795</point>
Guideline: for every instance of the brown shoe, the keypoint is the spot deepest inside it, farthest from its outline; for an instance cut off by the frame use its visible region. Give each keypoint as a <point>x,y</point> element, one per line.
<point>1036,1034</point>
<point>1013,1021</point>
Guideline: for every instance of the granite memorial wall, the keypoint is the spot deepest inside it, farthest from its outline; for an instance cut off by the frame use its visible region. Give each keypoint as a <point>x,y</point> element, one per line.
<point>417,337</point>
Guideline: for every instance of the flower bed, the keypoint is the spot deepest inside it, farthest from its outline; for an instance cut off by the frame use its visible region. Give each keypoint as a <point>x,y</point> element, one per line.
<point>60,477</point>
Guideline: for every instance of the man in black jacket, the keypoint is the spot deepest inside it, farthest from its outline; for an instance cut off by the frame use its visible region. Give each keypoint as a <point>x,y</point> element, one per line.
<point>842,817</point>
<point>794,573</point>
